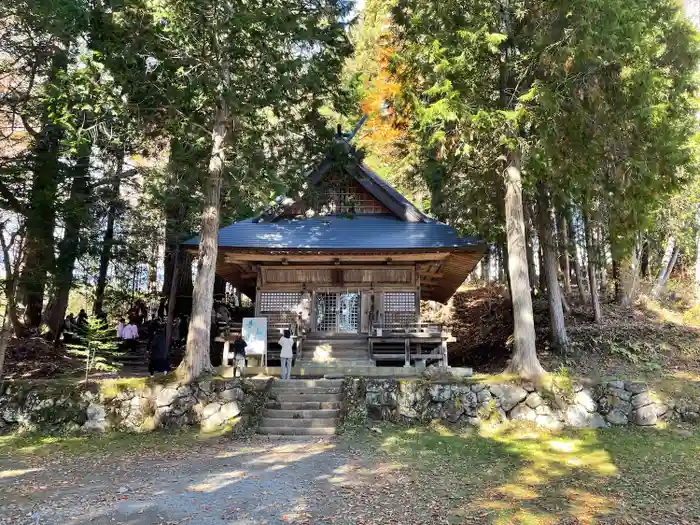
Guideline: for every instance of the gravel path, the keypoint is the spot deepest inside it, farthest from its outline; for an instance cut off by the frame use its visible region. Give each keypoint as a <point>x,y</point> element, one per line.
<point>220,482</point>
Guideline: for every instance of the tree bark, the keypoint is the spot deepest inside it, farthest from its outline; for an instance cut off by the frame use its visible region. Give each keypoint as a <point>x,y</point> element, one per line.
<point>529,249</point>
<point>645,259</point>
<point>108,240</point>
<point>11,268</point>
<point>196,359</point>
<point>524,361</point>
<point>697,268</point>
<point>599,245</point>
<point>5,333</point>
<point>564,254</point>
<point>68,247</point>
<point>486,261</point>
<point>549,256</point>
<point>172,297</point>
<point>628,276</point>
<point>592,259</point>
<point>41,212</point>
<point>666,267</point>
<point>542,275</point>
<point>581,279</point>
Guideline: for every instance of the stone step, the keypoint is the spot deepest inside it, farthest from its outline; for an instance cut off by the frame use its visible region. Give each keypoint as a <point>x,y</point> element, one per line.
<point>291,389</point>
<point>318,370</point>
<point>297,423</point>
<point>281,431</point>
<point>313,383</point>
<point>340,343</point>
<point>300,414</point>
<point>306,405</point>
<point>290,397</point>
<point>335,363</point>
<point>335,351</point>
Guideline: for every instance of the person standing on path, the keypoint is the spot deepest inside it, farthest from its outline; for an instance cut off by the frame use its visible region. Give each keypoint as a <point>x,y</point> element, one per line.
<point>239,355</point>
<point>158,361</point>
<point>130,335</point>
<point>286,354</point>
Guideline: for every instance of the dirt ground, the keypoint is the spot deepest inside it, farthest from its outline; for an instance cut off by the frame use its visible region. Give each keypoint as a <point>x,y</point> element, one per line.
<point>216,481</point>
<point>407,476</point>
<point>219,481</point>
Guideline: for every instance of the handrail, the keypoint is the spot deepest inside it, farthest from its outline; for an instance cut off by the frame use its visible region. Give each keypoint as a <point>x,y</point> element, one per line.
<point>408,328</point>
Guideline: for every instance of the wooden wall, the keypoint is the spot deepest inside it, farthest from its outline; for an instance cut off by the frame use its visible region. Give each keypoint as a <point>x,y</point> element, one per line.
<point>337,276</point>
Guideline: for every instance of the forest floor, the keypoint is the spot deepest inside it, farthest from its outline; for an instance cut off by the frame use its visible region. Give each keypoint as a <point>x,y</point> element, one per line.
<point>656,341</point>
<point>491,476</point>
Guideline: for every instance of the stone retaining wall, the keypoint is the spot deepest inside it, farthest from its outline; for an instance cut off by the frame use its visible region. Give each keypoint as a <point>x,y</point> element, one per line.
<point>612,403</point>
<point>209,404</point>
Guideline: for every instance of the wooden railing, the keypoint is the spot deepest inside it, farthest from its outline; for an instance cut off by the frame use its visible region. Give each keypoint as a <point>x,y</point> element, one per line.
<point>409,342</point>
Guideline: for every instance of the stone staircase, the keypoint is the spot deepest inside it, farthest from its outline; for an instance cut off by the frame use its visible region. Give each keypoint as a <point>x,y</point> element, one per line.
<point>302,407</point>
<point>339,351</point>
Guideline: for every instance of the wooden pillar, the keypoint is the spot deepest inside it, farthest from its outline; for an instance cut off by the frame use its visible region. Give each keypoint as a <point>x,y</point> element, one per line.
<point>312,310</point>
<point>257,295</point>
<point>407,351</point>
<point>417,316</point>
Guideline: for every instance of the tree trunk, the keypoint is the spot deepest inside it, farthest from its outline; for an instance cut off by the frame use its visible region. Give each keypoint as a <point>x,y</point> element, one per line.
<point>68,247</point>
<point>666,267</point>
<point>108,240</point>
<point>172,296</point>
<point>564,303</point>
<point>617,288</point>
<point>41,212</point>
<point>660,286</point>
<point>524,361</point>
<point>529,249</point>
<point>5,333</point>
<point>592,259</point>
<point>564,254</point>
<point>549,256</point>
<point>628,276</point>
<point>196,359</point>
<point>581,279</point>
<point>599,245</point>
<point>697,267</point>
<point>645,259</point>
<point>11,268</point>
<point>542,275</point>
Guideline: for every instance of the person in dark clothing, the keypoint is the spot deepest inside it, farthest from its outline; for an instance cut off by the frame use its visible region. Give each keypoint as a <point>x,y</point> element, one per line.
<point>82,319</point>
<point>162,309</point>
<point>239,346</point>
<point>158,361</point>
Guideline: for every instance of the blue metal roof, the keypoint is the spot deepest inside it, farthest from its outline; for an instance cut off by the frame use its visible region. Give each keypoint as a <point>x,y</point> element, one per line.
<point>360,232</point>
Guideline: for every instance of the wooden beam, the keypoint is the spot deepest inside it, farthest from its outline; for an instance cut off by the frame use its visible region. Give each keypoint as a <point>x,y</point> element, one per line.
<point>242,258</point>
<point>331,267</point>
<point>431,274</point>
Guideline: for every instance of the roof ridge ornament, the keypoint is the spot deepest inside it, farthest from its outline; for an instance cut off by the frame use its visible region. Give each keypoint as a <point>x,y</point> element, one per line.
<point>347,137</point>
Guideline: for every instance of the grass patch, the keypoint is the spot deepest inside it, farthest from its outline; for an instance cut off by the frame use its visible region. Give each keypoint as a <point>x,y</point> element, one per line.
<point>509,474</point>
<point>97,444</point>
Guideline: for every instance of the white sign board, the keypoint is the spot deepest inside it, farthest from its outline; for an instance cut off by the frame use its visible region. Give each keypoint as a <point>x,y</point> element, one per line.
<point>254,333</point>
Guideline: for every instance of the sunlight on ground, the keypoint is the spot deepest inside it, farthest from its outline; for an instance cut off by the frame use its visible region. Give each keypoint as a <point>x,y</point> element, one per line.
<point>508,474</point>
<point>664,314</point>
<point>217,481</point>
<point>16,473</point>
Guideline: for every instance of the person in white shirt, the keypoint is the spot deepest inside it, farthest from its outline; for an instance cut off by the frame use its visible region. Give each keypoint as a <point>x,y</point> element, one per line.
<point>130,334</point>
<point>286,354</point>
<point>120,329</point>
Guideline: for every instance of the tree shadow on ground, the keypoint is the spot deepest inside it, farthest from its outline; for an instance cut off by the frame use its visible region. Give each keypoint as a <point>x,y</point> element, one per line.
<point>491,476</point>
<point>524,475</point>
